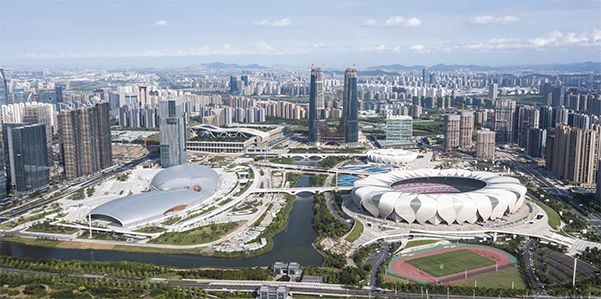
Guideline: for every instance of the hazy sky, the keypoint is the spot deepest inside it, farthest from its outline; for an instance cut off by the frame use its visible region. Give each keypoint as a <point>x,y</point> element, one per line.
<point>328,33</point>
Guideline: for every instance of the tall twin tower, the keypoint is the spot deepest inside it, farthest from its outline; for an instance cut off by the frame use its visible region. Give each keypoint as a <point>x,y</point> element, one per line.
<point>348,130</point>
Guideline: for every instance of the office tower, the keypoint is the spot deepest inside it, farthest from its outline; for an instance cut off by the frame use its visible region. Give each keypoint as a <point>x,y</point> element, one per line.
<point>493,91</point>
<point>546,117</point>
<point>85,140</point>
<point>528,117</point>
<point>466,127</point>
<point>27,156</point>
<point>399,128</point>
<point>537,139</point>
<point>244,79</point>
<point>574,154</point>
<point>485,145</point>
<point>350,104</point>
<point>3,89</point>
<point>315,92</point>
<point>451,126</point>
<point>173,133</point>
<point>425,77</point>
<point>504,111</point>
<point>234,88</point>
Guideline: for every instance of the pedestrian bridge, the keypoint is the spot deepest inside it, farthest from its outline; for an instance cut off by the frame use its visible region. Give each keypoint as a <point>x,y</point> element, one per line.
<point>298,190</point>
<point>316,156</point>
<point>311,169</point>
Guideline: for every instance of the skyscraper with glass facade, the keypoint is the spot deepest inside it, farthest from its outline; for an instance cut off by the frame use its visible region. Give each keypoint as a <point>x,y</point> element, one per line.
<point>173,133</point>
<point>3,89</point>
<point>27,156</point>
<point>315,95</point>
<point>350,106</point>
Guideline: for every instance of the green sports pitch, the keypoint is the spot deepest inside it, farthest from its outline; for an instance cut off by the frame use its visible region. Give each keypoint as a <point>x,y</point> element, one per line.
<point>448,263</point>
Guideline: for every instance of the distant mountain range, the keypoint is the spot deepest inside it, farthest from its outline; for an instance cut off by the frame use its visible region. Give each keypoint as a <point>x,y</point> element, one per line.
<point>582,67</point>
<point>569,67</point>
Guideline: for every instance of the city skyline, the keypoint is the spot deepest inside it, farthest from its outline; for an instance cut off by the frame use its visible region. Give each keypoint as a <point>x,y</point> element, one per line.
<point>330,34</point>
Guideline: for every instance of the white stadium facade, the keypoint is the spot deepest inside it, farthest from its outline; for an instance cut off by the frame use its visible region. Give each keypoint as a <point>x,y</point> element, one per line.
<point>450,196</point>
<point>391,156</point>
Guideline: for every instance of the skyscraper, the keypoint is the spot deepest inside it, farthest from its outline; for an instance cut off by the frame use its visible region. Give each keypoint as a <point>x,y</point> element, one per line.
<point>493,91</point>
<point>466,127</point>
<point>3,89</point>
<point>425,76</point>
<point>528,118</point>
<point>315,93</point>
<point>173,133</point>
<point>451,127</point>
<point>485,145</point>
<point>537,139</point>
<point>85,139</point>
<point>350,106</point>
<point>27,156</point>
<point>504,111</point>
<point>574,154</point>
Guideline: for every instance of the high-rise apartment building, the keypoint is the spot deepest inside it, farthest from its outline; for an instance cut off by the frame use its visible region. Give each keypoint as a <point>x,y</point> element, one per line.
<point>485,145</point>
<point>528,118</point>
<point>3,89</point>
<point>599,181</point>
<point>466,127</point>
<point>26,156</point>
<point>452,130</point>
<point>173,133</point>
<point>537,139</point>
<point>574,154</point>
<point>350,106</point>
<point>503,127</point>
<point>85,139</point>
<point>315,94</point>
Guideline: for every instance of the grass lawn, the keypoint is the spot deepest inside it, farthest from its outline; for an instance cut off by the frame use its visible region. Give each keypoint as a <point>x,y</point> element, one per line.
<point>553,220</point>
<point>199,235</point>
<point>499,280</point>
<point>427,127</point>
<point>51,229</point>
<point>355,232</point>
<point>452,262</point>
<point>416,243</point>
<point>150,229</point>
<point>393,279</point>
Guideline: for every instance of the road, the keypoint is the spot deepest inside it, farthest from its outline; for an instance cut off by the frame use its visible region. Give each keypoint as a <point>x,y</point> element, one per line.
<point>319,289</point>
<point>375,260</point>
<point>529,266</point>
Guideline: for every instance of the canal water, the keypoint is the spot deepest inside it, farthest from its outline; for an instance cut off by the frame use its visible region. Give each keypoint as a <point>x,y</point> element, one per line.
<point>292,245</point>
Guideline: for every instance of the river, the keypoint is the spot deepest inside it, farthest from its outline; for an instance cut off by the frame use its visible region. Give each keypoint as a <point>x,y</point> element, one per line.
<point>292,245</point>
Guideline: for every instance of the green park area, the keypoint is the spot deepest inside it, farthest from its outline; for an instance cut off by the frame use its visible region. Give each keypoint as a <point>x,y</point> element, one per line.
<point>448,263</point>
<point>553,218</point>
<point>199,235</point>
<point>427,127</point>
<point>355,232</point>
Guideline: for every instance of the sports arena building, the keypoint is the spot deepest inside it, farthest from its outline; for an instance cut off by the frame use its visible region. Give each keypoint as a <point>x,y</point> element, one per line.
<point>174,190</point>
<point>439,196</point>
<point>391,156</point>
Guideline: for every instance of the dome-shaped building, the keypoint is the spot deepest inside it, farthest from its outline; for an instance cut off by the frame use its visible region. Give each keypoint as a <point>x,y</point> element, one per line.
<point>391,156</point>
<point>175,189</point>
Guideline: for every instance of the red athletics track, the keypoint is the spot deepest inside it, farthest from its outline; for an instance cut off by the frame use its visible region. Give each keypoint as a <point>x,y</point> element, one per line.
<point>403,269</point>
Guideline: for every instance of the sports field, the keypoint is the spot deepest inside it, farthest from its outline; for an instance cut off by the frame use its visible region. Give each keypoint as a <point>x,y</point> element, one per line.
<point>450,262</point>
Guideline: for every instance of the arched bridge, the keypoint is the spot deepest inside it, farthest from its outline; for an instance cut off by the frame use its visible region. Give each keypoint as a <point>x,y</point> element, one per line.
<point>297,190</point>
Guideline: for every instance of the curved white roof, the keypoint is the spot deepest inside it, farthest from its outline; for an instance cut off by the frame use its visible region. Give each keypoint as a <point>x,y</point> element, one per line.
<point>391,156</point>
<point>183,177</point>
<point>178,187</point>
<point>439,196</point>
<point>233,131</point>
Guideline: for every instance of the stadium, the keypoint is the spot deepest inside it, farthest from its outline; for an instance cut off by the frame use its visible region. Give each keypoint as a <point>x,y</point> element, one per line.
<point>451,196</point>
<point>391,156</point>
<point>174,189</point>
